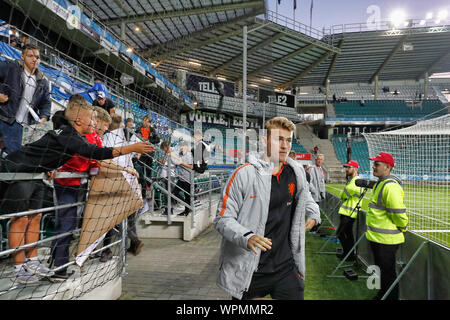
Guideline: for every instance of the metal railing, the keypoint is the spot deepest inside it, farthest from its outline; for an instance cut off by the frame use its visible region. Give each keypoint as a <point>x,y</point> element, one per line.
<point>294,25</point>
<point>417,256</point>
<point>212,182</point>
<point>43,241</point>
<point>380,26</point>
<point>202,186</point>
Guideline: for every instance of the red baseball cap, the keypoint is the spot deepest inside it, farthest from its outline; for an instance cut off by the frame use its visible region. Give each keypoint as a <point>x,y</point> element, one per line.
<point>352,163</point>
<point>384,157</point>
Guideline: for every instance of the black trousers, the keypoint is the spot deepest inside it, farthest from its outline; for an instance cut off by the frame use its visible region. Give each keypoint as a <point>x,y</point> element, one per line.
<point>131,231</point>
<point>345,233</point>
<point>186,188</point>
<point>384,256</point>
<point>148,161</point>
<point>66,221</point>
<point>285,284</point>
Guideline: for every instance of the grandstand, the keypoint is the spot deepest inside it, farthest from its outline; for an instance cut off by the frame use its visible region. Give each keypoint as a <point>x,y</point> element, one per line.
<point>229,65</point>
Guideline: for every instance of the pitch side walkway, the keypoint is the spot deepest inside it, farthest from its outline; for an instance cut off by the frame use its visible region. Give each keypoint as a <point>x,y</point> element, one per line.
<point>169,269</point>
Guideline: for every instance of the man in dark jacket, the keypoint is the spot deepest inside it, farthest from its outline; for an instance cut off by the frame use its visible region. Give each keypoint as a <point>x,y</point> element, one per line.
<point>147,133</point>
<point>200,153</point>
<point>24,96</point>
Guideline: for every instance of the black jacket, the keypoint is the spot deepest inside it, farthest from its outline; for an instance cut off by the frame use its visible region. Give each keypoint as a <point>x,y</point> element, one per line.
<point>11,84</point>
<point>53,150</point>
<point>200,154</point>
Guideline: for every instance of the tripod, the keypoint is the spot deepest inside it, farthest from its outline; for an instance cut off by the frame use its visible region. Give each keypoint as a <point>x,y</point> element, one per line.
<point>355,245</point>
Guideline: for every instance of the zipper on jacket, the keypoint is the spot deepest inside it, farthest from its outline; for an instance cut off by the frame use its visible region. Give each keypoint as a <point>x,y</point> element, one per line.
<point>254,268</point>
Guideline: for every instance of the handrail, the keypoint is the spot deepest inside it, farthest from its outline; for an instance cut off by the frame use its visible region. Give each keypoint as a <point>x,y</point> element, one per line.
<point>294,25</point>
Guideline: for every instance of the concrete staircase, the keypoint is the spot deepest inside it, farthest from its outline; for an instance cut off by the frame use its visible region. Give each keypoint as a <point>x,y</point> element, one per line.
<point>336,173</point>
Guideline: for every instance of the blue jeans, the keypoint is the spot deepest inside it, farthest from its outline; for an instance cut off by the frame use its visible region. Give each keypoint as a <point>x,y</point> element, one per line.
<point>12,136</point>
<point>66,221</point>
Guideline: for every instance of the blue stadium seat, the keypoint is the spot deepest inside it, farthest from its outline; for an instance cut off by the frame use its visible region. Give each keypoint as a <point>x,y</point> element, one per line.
<point>388,109</point>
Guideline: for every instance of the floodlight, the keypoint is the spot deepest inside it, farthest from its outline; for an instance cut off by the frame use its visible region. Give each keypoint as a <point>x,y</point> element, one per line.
<point>129,49</point>
<point>195,63</point>
<point>422,22</point>
<point>429,16</point>
<point>442,15</point>
<point>398,18</point>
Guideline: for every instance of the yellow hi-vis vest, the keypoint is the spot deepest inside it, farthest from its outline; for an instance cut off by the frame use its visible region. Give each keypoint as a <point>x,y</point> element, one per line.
<point>350,197</point>
<point>386,218</point>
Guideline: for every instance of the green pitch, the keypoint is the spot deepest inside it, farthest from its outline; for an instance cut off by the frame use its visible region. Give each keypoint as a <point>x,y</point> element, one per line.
<point>427,209</point>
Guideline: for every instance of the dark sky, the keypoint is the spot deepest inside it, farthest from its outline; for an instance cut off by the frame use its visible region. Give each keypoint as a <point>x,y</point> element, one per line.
<point>332,12</point>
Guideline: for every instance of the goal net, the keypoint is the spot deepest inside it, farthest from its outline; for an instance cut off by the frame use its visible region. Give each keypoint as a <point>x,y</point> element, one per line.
<point>421,154</point>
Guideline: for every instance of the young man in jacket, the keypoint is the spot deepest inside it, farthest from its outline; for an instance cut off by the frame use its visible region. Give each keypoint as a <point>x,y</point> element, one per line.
<point>261,216</point>
<point>147,133</point>
<point>318,178</point>
<point>24,96</point>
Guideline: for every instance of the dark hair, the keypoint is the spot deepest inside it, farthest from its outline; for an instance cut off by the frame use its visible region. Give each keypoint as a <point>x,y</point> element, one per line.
<point>165,144</point>
<point>29,47</point>
<point>129,120</point>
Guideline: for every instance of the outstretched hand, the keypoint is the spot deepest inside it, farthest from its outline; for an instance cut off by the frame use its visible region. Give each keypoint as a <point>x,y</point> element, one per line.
<point>143,147</point>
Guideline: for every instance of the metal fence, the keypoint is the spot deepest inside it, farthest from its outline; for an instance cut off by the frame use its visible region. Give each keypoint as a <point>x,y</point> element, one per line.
<point>422,264</point>
<point>92,272</point>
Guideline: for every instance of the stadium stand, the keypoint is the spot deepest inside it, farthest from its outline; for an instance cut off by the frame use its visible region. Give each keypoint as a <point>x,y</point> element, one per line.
<point>66,79</point>
<point>388,109</point>
<point>360,151</point>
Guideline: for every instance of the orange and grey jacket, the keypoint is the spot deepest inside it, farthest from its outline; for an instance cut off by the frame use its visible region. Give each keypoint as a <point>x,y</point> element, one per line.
<point>242,212</point>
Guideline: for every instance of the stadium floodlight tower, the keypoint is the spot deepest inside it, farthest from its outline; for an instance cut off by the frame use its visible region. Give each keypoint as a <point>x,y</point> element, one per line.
<point>422,162</point>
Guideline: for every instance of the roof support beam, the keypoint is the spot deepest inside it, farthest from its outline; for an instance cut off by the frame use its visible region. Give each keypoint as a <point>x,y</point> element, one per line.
<point>306,71</point>
<point>119,4</point>
<point>298,35</point>
<point>389,57</point>
<point>183,13</point>
<point>333,62</point>
<point>254,49</point>
<point>195,46</point>
<point>158,50</point>
<point>281,60</point>
<point>445,56</point>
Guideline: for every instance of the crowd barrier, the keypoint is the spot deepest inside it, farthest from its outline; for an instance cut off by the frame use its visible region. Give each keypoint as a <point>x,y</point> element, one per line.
<point>422,264</point>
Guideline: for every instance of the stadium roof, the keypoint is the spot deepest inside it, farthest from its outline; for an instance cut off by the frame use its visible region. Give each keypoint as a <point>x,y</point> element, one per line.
<point>205,37</point>
<point>390,54</point>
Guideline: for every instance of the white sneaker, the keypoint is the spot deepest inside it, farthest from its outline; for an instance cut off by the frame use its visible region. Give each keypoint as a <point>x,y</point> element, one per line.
<point>25,277</point>
<point>36,267</point>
